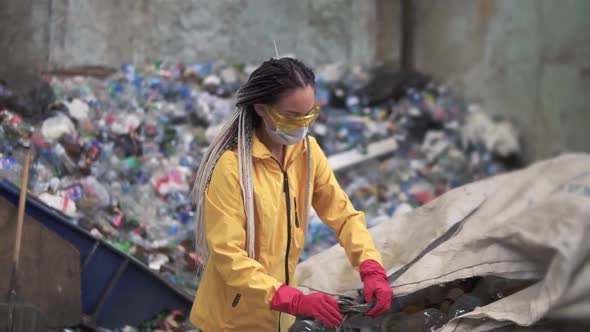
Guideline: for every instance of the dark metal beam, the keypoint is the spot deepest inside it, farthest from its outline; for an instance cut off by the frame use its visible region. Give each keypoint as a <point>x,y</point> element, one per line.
<point>407,34</point>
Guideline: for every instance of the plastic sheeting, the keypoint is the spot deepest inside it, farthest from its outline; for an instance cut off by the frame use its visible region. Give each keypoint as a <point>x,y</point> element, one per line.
<point>525,225</point>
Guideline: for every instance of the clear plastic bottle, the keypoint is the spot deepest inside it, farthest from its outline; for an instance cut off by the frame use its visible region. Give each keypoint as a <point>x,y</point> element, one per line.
<point>10,169</point>
<point>164,233</point>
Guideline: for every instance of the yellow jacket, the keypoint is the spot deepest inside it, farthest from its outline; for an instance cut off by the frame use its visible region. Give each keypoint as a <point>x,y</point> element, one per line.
<point>235,291</point>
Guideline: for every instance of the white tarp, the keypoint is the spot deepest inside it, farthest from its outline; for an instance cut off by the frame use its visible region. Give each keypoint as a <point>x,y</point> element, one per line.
<point>529,224</point>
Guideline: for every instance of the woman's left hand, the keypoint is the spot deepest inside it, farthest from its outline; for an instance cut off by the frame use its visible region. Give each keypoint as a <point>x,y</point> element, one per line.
<point>376,287</point>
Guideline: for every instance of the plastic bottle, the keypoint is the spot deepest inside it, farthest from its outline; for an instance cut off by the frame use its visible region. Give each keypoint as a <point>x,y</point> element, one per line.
<point>10,169</point>
<point>305,326</point>
<point>463,305</point>
<point>433,319</point>
<point>66,161</point>
<point>451,298</point>
<point>164,233</point>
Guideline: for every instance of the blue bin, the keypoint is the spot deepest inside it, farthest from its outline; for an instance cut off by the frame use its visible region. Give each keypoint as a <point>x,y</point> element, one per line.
<point>117,289</point>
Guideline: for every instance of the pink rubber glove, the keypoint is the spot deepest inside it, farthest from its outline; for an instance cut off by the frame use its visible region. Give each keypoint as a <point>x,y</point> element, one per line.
<point>318,306</point>
<point>376,286</point>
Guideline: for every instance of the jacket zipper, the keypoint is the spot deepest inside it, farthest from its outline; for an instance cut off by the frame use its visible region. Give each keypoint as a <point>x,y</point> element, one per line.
<point>236,300</point>
<point>288,205</point>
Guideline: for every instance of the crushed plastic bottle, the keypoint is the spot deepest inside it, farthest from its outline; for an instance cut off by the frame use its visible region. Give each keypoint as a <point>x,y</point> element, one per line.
<point>306,326</point>
<point>433,319</point>
<point>463,305</point>
<point>10,169</point>
<point>78,109</point>
<point>62,204</point>
<point>54,128</point>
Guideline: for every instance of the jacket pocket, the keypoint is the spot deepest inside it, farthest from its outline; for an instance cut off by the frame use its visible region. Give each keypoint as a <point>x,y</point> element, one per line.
<point>296,213</point>
<point>236,300</point>
<point>234,303</point>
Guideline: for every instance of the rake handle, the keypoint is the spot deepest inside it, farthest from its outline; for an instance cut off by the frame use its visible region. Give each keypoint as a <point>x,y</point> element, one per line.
<point>21,207</point>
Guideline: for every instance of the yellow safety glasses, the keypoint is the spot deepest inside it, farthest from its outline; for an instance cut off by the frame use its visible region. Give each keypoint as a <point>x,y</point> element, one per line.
<point>287,122</point>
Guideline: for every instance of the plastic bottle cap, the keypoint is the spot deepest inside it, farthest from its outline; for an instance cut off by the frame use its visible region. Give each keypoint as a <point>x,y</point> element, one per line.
<point>7,163</point>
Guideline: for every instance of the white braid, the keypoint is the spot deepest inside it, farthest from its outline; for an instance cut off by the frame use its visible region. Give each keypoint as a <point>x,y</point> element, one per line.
<point>246,181</point>
<point>216,149</point>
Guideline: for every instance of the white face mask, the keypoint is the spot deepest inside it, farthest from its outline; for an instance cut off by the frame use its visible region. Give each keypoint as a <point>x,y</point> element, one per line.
<point>285,137</point>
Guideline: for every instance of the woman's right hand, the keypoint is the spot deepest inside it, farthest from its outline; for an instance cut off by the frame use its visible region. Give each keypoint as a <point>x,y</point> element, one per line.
<point>318,306</point>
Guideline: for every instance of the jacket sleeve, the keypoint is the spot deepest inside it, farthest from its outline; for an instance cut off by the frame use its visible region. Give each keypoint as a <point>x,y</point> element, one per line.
<point>335,209</point>
<point>226,234</point>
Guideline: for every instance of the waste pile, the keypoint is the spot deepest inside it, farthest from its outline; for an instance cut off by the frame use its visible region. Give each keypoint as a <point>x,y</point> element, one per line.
<point>118,154</point>
<point>167,321</point>
<point>174,321</point>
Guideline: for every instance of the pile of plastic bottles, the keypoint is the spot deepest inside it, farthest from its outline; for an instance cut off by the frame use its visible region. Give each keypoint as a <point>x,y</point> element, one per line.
<point>442,143</point>
<point>174,321</point>
<point>118,155</point>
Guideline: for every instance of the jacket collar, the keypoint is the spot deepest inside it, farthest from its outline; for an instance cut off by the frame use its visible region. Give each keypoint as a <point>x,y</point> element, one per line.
<point>292,152</point>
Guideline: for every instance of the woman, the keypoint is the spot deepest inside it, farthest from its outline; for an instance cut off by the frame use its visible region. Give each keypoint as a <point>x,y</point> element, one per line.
<point>253,192</point>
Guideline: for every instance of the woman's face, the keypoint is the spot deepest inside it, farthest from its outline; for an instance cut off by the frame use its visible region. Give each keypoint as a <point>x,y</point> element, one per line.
<point>297,103</point>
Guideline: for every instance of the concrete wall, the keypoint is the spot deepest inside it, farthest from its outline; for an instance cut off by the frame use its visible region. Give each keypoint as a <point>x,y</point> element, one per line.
<point>24,34</point>
<point>112,32</point>
<point>526,59</point>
